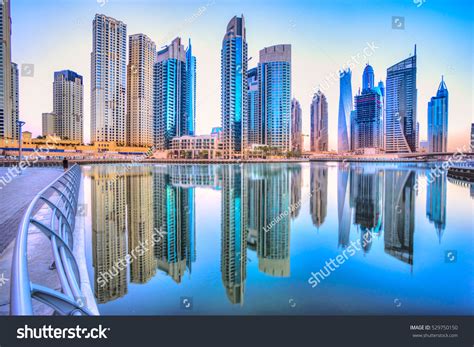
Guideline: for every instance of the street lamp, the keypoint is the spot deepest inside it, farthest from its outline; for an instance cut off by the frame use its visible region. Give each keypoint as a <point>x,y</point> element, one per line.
<point>20,124</point>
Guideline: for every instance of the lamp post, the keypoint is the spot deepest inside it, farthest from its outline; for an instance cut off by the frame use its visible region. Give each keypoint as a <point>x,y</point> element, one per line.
<point>20,124</point>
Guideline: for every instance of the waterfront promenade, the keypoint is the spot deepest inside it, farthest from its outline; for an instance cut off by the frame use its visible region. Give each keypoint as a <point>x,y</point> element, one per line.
<point>14,200</point>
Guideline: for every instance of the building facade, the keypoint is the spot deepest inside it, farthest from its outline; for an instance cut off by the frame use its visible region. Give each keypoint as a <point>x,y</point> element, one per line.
<point>170,105</point>
<point>234,106</point>
<point>401,99</point>
<point>68,105</point>
<point>108,80</point>
<point>274,83</point>
<point>141,59</point>
<point>49,124</point>
<point>367,126</point>
<point>319,123</point>
<point>190,91</point>
<point>296,126</point>
<point>7,121</point>
<point>15,97</point>
<point>438,120</point>
<point>345,109</point>
<point>255,126</point>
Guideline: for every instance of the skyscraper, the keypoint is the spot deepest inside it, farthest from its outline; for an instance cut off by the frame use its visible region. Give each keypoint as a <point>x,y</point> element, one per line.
<point>438,120</point>
<point>319,123</point>
<point>7,123</point>
<point>367,125</point>
<point>255,125</point>
<point>472,137</point>
<point>109,80</point>
<point>345,108</point>
<point>436,203</point>
<point>190,91</point>
<point>234,88</point>
<point>400,123</point>
<point>68,105</point>
<point>274,82</point>
<point>296,126</point>
<point>171,95</point>
<point>15,97</point>
<point>141,58</point>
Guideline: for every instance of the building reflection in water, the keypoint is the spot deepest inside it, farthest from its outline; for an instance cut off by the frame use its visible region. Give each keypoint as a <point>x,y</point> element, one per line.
<point>366,197</point>
<point>399,214</point>
<point>319,194</point>
<point>155,205</point>
<point>343,207</point>
<point>436,202</point>
<point>109,231</point>
<point>234,232</point>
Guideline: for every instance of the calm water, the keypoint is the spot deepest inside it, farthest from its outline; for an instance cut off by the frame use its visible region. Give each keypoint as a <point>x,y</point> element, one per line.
<point>244,239</point>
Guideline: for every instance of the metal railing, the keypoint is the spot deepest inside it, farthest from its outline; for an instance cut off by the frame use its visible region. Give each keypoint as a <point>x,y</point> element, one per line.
<point>59,202</point>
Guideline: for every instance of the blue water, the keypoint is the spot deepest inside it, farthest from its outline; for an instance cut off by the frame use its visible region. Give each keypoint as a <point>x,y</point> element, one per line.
<point>247,239</point>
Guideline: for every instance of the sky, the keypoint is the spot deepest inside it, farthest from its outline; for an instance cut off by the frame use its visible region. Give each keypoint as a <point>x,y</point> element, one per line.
<point>325,35</point>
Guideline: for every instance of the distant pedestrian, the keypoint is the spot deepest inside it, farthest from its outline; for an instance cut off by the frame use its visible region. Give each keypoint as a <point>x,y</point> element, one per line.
<point>65,164</point>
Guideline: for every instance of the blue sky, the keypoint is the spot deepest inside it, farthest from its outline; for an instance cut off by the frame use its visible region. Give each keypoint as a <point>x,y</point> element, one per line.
<point>56,35</point>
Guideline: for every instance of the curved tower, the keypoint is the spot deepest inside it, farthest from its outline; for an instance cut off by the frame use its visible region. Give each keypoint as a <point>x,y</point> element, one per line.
<point>345,108</point>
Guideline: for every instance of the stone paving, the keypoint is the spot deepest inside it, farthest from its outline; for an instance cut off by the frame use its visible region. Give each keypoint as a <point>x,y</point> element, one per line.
<point>16,196</point>
<point>14,199</point>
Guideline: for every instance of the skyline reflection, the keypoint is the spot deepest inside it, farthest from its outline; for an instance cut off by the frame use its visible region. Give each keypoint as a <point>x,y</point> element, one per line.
<point>156,206</point>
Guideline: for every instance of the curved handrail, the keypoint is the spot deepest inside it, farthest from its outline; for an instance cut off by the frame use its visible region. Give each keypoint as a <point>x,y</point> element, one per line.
<point>60,199</point>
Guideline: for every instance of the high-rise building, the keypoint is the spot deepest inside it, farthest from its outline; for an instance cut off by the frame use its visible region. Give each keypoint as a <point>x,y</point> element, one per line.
<point>190,91</point>
<point>400,119</point>
<point>15,97</point>
<point>171,95</point>
<point>319,123</point>
<point>234,88</point>
<point>367,125</point>
<point>296,126</point>
<point>49,124</point>
<point>141,58</point>
<point>7,123</point>
<point>345,108</point>
<point>274,83</point>
<point>68,105</point>
<point>472,138</point>
<point>438,120</point>
<point>109,80</point>
<point>255,125</point>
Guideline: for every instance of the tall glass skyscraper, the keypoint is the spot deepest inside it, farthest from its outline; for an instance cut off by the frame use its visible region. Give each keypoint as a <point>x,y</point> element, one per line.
<point>68,105</point>
<point>319,123</point>
<point>190,91</point>
<point>274,82</point>
<point>400,123</point>
<point>255,125</point>
<point>438,120</point>
<point>296,126</point>
<point>141,58</point>
<point>108,80</point>
<point>234,88</point>
<point>174,101</point>
<point>7,119</point>
<point>367,126</point>
<point>345,108</point>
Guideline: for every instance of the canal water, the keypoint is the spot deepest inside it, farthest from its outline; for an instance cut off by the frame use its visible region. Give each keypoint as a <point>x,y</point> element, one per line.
<point>310,238</point>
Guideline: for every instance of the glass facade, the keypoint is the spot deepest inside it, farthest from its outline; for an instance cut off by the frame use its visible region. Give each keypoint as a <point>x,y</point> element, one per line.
<point>345,108</point>
<point>438,120</point>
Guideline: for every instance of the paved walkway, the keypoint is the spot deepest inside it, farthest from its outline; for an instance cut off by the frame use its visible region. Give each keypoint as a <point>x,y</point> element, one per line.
<point>14,199</point>
<point>16,196</point>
